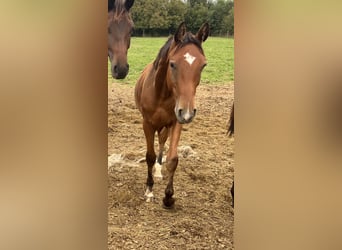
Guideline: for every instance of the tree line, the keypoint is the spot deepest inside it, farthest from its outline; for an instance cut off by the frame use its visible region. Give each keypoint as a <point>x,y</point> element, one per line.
<point>162,17</point>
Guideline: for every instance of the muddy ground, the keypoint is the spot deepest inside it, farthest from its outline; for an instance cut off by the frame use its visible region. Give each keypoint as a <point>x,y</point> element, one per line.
<point>202,217</point>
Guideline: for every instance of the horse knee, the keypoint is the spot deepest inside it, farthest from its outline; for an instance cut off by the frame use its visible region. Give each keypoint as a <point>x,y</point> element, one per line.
<point>150,158</point>
<point>172,164</point>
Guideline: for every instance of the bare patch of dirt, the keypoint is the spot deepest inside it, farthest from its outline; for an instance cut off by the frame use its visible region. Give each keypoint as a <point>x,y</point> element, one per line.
<point>202,217</point>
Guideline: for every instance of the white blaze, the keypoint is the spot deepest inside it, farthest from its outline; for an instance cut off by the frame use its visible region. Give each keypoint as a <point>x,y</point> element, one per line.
<point>187,114</point>
<point>189,58</point>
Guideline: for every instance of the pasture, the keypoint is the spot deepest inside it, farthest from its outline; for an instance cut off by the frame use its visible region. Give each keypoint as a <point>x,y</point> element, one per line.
<point>219,53</point>
<point>202,217</point>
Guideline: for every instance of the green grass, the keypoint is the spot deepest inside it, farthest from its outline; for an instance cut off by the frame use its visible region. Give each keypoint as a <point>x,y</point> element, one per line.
<point>219,53</point>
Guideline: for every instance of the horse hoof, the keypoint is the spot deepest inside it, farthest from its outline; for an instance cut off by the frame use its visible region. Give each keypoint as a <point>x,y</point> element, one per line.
<point>168,203</point>
<point>149,197</point>
<point>158,178</point>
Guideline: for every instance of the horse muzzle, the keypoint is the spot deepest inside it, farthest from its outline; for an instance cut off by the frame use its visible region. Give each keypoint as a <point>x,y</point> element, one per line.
<point>120,71</point>
<point>185,115</point>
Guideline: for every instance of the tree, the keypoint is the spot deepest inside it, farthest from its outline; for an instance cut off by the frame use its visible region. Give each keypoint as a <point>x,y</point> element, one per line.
<point>196,15</point>
<point>162,17</point>
<point>176,14</point>
<point>150,14</point>
<point>229,21</point>
<point>218,14</point>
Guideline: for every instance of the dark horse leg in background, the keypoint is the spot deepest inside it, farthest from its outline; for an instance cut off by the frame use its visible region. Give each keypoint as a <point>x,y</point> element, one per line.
<point>162,137</point>
<point>230,133</point>
<point>231,122</point>
<point>232,193</point>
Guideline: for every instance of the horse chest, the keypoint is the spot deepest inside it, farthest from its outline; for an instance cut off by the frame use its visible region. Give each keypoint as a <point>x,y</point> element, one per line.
<point>161,117</point>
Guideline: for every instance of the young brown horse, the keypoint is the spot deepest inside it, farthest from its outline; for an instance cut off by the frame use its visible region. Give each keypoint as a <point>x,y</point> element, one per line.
<point>165,95</point>
<point>120,27</point>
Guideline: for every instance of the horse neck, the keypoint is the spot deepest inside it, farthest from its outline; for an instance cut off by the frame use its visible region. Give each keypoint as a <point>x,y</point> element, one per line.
<point>161,87</point>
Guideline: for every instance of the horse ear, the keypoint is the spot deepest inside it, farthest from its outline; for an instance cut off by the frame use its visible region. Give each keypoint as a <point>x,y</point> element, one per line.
<point>180,32</point>
<point>129,4</point>
<point>111,4</point>
<point>203,32</point>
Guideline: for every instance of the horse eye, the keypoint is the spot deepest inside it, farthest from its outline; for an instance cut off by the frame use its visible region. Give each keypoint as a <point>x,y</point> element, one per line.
<point>172,65</point>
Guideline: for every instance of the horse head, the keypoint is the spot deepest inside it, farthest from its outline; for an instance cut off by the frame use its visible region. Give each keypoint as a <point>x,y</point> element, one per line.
<point>186,61</point>
<point>120,27</point>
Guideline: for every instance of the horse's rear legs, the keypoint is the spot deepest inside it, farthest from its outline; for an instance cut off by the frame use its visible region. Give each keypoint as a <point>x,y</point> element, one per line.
<point>162,137</point>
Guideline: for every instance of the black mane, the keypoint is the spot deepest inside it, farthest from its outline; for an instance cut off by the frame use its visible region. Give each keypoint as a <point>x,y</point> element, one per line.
<point>117,5</point>
<point>110,5</point>
<point>187,39</point>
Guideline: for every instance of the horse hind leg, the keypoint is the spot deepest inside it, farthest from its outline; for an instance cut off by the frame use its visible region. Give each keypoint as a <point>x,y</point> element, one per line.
<point>150,160</point>
<point>162,137</point>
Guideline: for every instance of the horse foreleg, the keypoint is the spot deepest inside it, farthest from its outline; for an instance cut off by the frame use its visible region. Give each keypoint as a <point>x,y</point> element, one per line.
<point>162,137</point>
<point>171,164</point>
<point>150,159</point>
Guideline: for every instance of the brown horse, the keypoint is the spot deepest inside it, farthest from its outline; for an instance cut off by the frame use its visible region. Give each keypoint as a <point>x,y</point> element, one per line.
<point>165,95</point>
<point>120,27</point>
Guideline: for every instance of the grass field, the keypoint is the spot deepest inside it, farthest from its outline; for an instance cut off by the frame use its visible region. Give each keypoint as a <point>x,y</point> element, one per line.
<point>219,53</point>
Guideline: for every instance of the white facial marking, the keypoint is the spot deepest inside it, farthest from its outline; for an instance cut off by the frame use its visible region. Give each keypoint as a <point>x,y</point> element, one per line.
<point>189,58</point>
<point>187,114</point>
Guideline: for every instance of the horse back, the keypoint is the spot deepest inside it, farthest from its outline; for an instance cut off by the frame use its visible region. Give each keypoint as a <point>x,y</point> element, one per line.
<point>145,81</point>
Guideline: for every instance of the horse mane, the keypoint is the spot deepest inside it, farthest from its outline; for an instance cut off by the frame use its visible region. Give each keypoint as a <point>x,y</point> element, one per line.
<point>110,5</point>
<point>163,52</point>
<point>119,9</point>
<point>187,39</point>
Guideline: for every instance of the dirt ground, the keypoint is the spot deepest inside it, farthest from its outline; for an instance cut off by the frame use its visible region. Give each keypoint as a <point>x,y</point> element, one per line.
<point>202,217</point>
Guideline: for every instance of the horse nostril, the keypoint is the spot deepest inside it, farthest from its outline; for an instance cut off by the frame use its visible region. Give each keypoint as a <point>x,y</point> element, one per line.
<point>180,112</point>
<point>115,68</point>
<point>195,111</point>
<point>127,66</point>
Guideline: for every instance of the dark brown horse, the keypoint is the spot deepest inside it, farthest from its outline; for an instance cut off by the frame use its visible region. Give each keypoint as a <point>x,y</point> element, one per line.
<point>165,94</point>
<point>120,27</point>
<point>230,133</point>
